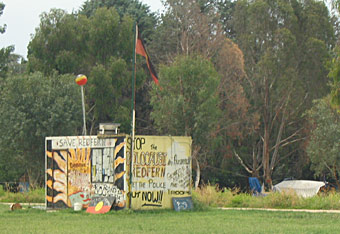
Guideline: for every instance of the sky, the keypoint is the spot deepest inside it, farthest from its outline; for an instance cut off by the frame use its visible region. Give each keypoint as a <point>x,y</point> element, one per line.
<point>22,17</point>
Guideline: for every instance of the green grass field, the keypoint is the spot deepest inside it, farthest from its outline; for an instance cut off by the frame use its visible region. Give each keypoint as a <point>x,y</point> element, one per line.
<point>210,221</point>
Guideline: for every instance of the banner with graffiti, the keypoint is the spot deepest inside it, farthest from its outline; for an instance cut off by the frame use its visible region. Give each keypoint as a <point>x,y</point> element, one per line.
<point>80,167</point>
<point>161,169</point>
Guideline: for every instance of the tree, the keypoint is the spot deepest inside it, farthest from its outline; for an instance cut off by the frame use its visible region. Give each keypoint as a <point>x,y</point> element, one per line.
<point>187,104</point>
<point>33,107</point>
<point>99,46</point>
<point>4,52</point>
<point>135,9</point>
<point>106,92</point>
<point>16,65</point>
<point>60,44</point>
<point>323,146</point>
<point>284,63</point>
<point>190,28</point>
<point>185,30</point>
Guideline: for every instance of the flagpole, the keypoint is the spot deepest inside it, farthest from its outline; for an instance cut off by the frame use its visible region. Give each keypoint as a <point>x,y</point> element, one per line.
<point>133,105</point>
<point>83,105</point>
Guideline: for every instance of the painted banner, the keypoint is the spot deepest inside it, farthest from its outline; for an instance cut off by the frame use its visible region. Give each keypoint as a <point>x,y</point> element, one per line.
<point>80,167</point>
<point>161,170</point>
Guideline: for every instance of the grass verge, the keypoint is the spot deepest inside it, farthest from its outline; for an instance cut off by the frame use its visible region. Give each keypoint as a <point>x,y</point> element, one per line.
<point>33,196</point>
<point>208,196</point>
<point>209,221</point>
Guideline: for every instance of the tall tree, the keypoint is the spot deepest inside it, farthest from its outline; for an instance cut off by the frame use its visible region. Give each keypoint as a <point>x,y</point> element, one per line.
<point>185,30</point>
<point>137,10</point>
<point>60,44</point>
<point>6,51</point>
<point>284,63</point>
<point>189,28</point>
<point>187,104</point>
<point>33,107</point>
<point>99,45</point>
<point>323,146</point>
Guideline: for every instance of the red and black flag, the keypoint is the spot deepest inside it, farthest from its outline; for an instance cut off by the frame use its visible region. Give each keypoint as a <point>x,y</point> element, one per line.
<point>100,205</point>
<point>140,49</point>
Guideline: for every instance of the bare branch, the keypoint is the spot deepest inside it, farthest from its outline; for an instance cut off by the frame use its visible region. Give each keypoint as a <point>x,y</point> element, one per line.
<point>281,107</point>
<point>298,107</point>
<point>242,163</point>
<point>259,167</point>
<point>286,139</point>
<point>290,142</point>
<point>284,157</point>
<point>278,140</point>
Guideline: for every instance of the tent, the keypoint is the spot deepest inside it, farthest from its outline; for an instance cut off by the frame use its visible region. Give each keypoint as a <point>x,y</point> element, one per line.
<point>303,188</point>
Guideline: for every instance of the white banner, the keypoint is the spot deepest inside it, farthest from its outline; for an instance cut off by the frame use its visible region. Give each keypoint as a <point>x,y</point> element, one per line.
<point>76,142</point>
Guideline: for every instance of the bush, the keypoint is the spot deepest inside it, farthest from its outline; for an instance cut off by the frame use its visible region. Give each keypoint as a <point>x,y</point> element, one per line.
<point>209,196</point>
<point>2,192</point>
<point>33,196</point>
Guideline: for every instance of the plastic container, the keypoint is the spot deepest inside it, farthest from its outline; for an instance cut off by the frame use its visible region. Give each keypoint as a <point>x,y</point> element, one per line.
<point>77,206</point>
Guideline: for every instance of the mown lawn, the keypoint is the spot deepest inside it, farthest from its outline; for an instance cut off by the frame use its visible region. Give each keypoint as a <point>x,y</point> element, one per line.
<point>210,221</point>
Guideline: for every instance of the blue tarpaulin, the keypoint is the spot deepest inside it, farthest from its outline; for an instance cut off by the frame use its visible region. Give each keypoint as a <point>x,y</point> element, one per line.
<point>255,185</point>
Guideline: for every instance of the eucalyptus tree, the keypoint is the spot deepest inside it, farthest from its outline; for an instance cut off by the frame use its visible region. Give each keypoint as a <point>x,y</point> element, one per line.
<point>286,44</point>
<point>191,28</point>
<point>323,145</point>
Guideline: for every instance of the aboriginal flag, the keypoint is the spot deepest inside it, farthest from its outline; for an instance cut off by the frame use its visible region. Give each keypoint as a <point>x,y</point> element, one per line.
<point>100,205</point>
<point>140,49</point>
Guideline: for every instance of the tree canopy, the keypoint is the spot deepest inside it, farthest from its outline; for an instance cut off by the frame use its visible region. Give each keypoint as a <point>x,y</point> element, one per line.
<point>236,76</point>
<point>285,50</point>
<point>98,45</point>
<point>33,107</point>
<point>323,146</point>
<point>5,52</point>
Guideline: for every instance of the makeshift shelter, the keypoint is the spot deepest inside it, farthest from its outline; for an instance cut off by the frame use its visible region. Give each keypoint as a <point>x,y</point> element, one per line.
<point>303,188</point>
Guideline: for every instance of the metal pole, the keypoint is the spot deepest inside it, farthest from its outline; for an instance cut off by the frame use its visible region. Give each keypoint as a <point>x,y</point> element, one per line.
<point>133,107</point>
<point>83,104</point>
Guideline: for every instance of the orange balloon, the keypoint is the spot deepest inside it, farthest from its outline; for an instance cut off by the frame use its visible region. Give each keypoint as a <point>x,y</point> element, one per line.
<point>81,79</point>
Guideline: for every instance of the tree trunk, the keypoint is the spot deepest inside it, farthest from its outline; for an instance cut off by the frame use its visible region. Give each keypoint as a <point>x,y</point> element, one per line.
<point>198,174</point>
<point>266,156</point>
<point>255,172</point>
<point>336,176</point>
<point>198,170</point>
<point>33,178</point>
<point>266,153</point>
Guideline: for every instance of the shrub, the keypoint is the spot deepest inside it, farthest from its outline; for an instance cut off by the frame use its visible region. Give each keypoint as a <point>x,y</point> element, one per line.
<point>241,200</point>
<point>33,196</point>
<point>209,196</point>
<point>2,192</point>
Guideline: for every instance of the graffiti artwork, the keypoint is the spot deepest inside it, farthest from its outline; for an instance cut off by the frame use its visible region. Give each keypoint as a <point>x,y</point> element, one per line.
<point>109,190</point>
<point>78,173</point>
<point>160,165</point>
<point>56,183</point>
<point>75,175</point>
<point>81,168</point>
<point>153,198</point>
